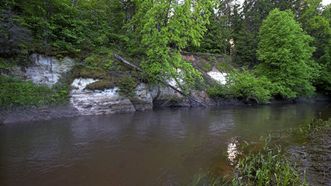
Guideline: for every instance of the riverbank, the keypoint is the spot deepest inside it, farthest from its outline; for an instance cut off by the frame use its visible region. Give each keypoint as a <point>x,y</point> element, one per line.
<point>80,89</point>
<point>44,113</point>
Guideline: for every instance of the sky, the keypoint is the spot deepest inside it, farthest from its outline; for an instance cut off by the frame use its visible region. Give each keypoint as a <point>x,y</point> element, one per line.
<point>326,2</point>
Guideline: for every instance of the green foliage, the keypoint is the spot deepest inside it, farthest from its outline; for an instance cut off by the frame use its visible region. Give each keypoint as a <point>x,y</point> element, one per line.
<point>155,33</point>
<point>164,24</point>
<point>206,67</point>
<point>269,166</point>
<point>318,25</point>
<point>285,55</point>
<point>217,91</point>
<point>327,13</point>
<point>247,25</point>
<point>102,58</point>
<point>65,27</point>
<point>225,67</point>
<point>311,128</point>
<point>216,39</point>
<point>244,86</point>
<point>127,86</point>
<point>14,92</point>
<point>59,94</point>
<point>5,64</point>
<point>14,36</point>
<point>80,71</point>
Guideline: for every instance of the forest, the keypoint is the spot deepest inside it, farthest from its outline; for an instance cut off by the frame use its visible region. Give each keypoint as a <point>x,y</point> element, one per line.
<point>280,49</point>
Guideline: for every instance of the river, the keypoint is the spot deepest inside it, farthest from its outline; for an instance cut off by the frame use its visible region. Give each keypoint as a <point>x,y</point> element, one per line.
<point>161,147</point>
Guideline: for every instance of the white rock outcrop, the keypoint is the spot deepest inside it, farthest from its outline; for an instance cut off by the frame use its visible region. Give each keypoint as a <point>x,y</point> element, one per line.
<point>218,76</point>
<point>108,101</point>
<point>47,70</point>
<point>97,102</point>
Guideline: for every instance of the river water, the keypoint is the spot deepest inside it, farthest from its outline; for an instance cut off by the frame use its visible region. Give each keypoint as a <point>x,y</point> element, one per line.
<point>162,147</point>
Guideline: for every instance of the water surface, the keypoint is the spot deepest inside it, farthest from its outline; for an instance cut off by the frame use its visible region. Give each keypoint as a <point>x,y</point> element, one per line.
<point>163,147</point>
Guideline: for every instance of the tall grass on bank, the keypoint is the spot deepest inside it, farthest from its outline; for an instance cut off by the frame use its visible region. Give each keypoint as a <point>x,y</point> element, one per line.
<point>267,166</point>
<point>15,92</point>
<point>312,128</point>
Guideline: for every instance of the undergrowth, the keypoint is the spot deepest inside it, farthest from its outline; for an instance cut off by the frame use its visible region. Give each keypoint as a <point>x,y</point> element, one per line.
<point>16,92</point>
<point>266,166</point>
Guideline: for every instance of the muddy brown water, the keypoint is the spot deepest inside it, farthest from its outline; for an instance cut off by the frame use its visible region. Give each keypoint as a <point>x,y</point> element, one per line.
<point>162,147</point>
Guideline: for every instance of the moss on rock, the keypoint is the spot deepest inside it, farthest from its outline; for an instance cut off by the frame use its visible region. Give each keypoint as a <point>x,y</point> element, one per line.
<point>102,84</point>
<point>89,72</point>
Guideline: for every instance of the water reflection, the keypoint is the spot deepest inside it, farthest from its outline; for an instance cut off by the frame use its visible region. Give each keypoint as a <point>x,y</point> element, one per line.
<point>232,150</point>
<point>151,148</point>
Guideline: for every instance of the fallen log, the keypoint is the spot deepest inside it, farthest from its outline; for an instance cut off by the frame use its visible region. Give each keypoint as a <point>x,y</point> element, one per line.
<point>164,82</point>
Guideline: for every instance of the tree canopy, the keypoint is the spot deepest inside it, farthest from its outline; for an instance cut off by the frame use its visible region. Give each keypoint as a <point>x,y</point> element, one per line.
<point>285,54</point>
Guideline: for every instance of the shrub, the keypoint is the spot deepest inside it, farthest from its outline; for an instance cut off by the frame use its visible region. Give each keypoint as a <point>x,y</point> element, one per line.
<point>224,67</point>
<point>217,91</point>
<point>245,85</point>
<point>127,86</point>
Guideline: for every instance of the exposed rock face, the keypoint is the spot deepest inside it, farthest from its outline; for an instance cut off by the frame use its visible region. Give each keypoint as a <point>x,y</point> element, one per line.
<point>167,97</point>
<point>143,99</point>
<point>218,76</point>
<point>202,97</point>
<point>47,70</point>
<point>108,101</point>
<point>97,102</point>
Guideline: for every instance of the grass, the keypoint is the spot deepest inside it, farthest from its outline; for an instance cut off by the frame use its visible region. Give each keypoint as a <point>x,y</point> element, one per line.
<point>311,128</point>
<point>5,64</point>
<point>268,166</point>
<point>16,92</point>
